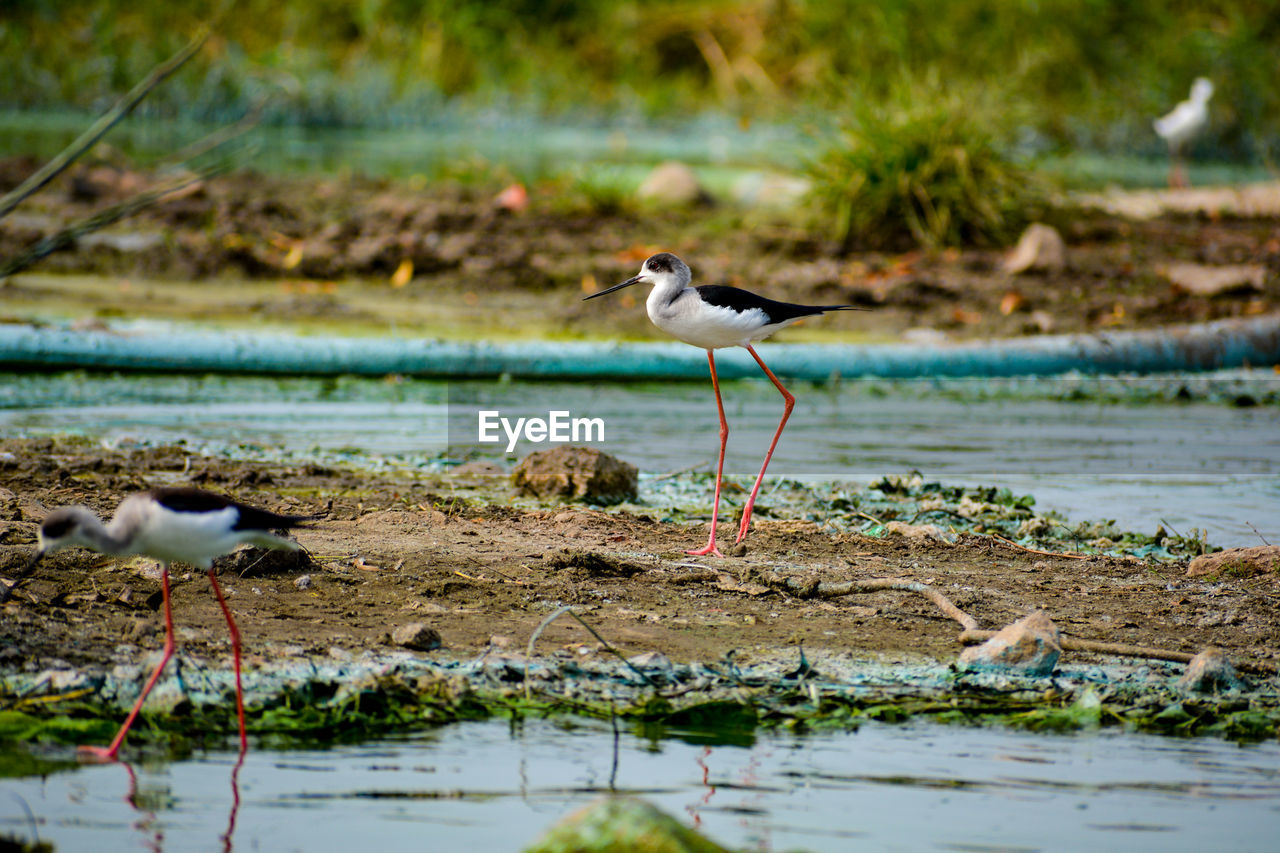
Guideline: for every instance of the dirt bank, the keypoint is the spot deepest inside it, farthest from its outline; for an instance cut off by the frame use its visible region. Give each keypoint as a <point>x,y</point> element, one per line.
<point>359,254</point>
<point>452,552</point>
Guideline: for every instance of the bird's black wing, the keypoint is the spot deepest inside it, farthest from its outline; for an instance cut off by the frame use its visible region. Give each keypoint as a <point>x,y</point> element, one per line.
<point>185,499</point>
<point>740,300</point>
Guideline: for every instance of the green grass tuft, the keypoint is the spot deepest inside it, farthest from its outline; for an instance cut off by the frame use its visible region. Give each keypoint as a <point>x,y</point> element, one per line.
<point>926,169</point>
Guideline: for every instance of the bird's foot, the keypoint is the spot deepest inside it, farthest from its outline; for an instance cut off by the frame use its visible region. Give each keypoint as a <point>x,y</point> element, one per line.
<point>97,754</point>
<point>710,549</point>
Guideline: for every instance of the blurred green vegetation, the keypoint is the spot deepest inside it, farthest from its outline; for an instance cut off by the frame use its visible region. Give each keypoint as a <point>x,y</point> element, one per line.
<point>1090,73</point>
<point>936,170</point>
<point>918,121</point>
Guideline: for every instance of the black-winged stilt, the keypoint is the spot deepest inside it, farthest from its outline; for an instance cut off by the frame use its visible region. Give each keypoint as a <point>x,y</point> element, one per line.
<point>1181,125</point>
<point>173,525</point>
<point>712,317</point>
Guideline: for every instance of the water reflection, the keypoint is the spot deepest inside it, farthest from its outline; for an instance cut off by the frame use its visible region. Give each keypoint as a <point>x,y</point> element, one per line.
<point>498,785</point>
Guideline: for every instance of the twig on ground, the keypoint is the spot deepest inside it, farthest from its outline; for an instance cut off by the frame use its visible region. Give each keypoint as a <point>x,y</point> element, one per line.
<point>685,470</point>
<point>971,634</point>
<point>533,638</point>
<point>1067,554</point>
<point>834,590</point>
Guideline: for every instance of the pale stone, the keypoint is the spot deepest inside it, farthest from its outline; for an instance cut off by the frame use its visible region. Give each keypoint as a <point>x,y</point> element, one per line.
<point>1202,280</point>
<point>417,636</point>
<point>1030,646</point>
<point>1236,562</point>
<point>1040,248</point>
<point>672,183</point>
<point>1210,671</point>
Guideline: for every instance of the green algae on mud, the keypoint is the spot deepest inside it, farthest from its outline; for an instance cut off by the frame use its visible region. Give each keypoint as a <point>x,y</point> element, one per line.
<point>714,703</point>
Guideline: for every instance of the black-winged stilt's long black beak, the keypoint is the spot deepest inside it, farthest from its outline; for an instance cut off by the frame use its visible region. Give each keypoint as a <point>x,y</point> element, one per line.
<point>6,591</point>
<point>634,280</point>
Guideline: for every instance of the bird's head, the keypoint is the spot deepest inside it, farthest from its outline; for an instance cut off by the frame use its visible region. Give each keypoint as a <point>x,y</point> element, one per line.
<point>65,528</point>
<point>659,269</point>
<point>1202,89</point>
<point>62,528</point>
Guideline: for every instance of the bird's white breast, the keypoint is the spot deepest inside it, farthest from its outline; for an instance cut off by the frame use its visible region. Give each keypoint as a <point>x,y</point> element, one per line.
<point>695,322</point>
<point>187,537</point>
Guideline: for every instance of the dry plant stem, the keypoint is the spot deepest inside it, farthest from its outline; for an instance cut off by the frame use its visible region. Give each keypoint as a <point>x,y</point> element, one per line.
<point>1013,544</point>
<point>100,127</point>
<point>972,635</point>
<point>533,638</point>
<point>833,590</point>
<point>75,230</point>
<point>221,136</point>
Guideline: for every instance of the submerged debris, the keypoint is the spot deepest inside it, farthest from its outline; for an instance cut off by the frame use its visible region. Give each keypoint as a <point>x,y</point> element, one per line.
<point>622,823</point>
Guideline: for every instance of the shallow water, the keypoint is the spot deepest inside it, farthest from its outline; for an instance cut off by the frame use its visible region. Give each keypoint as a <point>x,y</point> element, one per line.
<point>1185,465</point>
<point>495,786</point>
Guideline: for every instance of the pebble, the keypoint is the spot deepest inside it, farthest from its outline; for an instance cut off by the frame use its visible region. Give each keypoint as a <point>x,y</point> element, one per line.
<point>1237,562</point>
<point>1209,672</point>
<point>578,474</point>
<point>673,183</point>
<point>1040,248</point>
<point>1030,646</point>
<point>417,636</point>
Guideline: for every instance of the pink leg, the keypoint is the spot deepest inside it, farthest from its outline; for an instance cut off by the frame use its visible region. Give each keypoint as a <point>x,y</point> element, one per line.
<point>235,652</point>
<point>724,439</point>
<point>789,403</point>
<point>111,752</point>
<point>235,804</point>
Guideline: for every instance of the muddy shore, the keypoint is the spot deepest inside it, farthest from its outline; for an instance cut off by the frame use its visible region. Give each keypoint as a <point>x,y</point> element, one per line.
<point>451,551</point>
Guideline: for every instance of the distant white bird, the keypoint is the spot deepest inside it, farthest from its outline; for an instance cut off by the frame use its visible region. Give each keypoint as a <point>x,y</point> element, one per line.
<point>1182,124</point>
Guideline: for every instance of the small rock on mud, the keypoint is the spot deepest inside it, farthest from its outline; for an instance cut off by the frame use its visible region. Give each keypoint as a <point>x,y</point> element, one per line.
<point>1237,562</point>
<point>417,636</point>
<point>1040,248</point>
<point>478,469</point>
<point>1030,646</point>
<point>673,183</point>
<point>591,564</point>
<point>262,562</point>
<point>920,532</point>
<point>576,474</point>
<point>1209,672</point>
